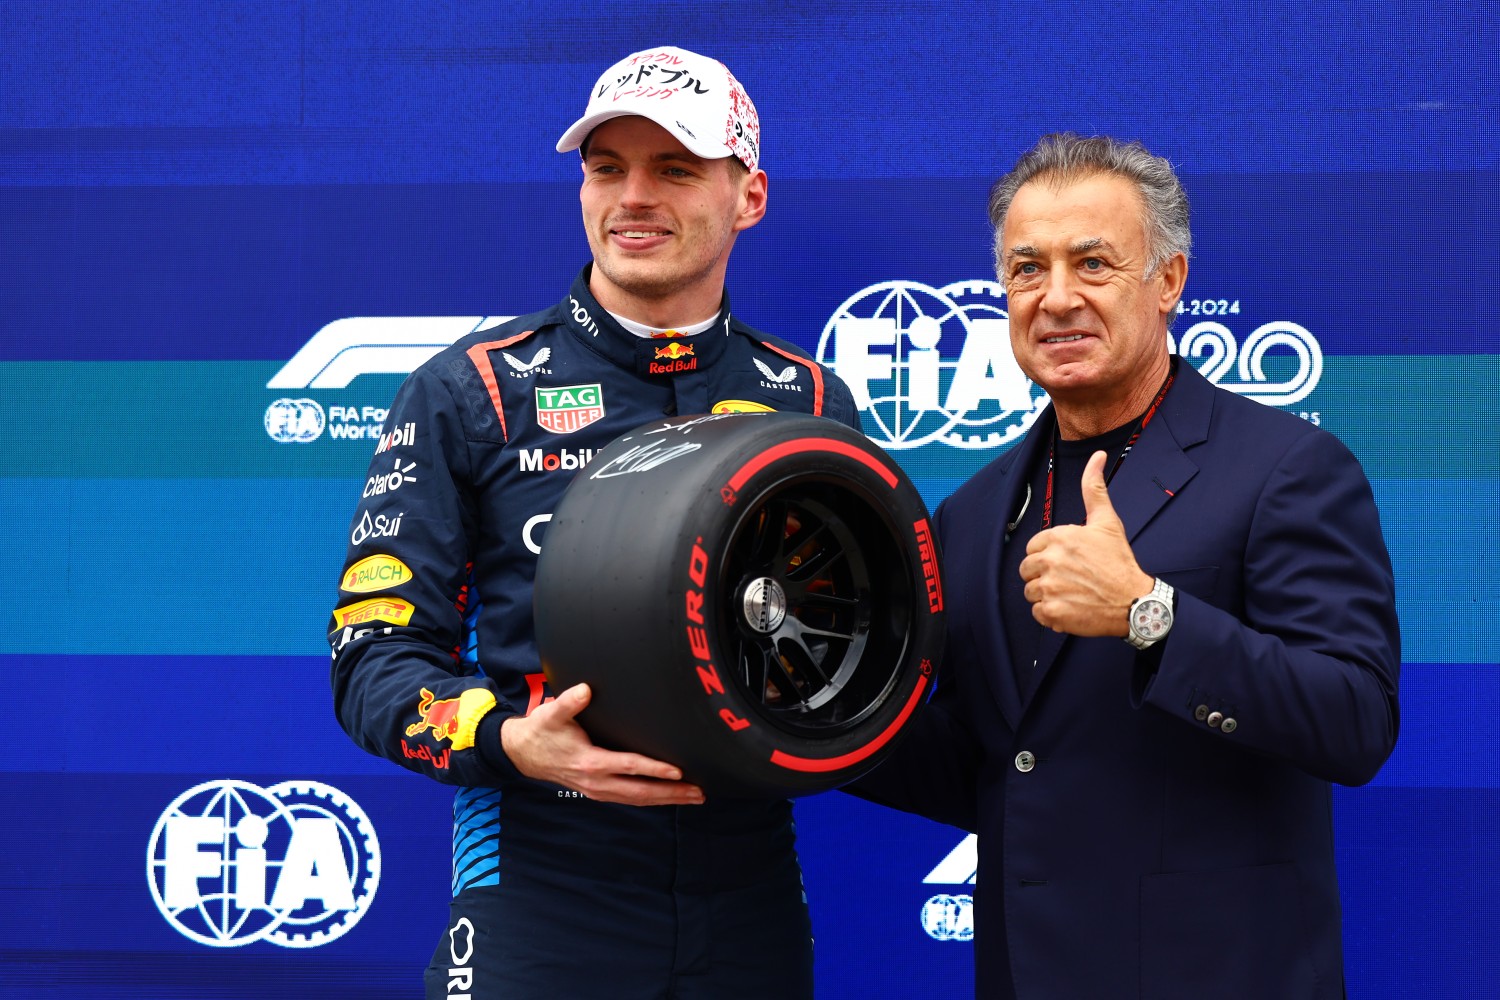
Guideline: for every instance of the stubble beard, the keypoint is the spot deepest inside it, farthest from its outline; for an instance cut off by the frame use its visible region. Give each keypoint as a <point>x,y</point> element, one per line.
<point>651,279</point>
<point>644,279</point>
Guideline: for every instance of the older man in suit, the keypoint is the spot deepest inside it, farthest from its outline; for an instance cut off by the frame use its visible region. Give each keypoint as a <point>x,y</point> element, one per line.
<point>1171,625</point>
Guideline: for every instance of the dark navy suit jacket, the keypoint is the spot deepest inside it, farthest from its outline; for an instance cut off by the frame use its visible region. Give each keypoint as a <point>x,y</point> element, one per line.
<point>1154,848</point>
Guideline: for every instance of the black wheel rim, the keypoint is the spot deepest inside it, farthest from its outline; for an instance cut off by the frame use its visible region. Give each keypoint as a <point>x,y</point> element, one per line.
<point>818,617</point>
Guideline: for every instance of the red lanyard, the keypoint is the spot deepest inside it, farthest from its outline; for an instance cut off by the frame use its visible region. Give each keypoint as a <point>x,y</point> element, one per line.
<point>1134,437</point>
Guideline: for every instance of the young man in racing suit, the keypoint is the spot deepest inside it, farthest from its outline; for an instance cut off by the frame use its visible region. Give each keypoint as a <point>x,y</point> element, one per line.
<point>563,884</point>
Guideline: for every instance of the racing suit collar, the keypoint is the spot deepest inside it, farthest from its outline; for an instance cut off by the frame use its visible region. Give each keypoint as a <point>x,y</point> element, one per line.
<point>596,328</point>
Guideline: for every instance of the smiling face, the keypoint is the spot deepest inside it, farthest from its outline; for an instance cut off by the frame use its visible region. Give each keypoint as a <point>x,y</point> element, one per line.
<point>661,221</point>
<point>1086,322</point>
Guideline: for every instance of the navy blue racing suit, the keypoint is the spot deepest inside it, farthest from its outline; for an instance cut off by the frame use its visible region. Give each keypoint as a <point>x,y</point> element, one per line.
<point>554,894</point>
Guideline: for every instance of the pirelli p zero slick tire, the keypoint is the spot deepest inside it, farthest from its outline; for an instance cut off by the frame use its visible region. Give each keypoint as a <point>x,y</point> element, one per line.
<point>754,597</point>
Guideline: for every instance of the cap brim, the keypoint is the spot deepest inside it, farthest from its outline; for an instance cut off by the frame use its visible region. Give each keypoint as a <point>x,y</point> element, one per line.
<point>579,131</point>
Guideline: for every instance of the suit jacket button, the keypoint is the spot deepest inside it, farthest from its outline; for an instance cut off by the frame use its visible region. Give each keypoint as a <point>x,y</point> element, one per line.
<point>1200,713</point>
<point>1228,726</point>
<point>1214,718</point>
<point>1025,761</point>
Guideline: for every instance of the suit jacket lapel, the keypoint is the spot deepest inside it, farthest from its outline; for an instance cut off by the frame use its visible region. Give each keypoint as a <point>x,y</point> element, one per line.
<point>1158,466</point>
<point>1011,496</point>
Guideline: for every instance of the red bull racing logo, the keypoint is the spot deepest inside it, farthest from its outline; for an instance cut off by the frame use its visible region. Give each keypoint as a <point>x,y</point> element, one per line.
<point>452,719</point>
<point>673,359</point>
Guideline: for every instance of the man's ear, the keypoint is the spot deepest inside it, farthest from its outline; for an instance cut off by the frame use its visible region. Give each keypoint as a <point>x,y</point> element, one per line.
<point>1173,279</point>
<point>752,200</point>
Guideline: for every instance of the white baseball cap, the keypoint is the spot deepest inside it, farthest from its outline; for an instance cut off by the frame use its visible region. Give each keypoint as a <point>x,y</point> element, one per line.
<point>693,97</point>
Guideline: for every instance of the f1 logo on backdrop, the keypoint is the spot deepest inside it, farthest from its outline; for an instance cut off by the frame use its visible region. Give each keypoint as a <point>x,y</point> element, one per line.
<point>344,350</point>
<point>296,864</point>
<point>934,365</point>
<point>950,916</point>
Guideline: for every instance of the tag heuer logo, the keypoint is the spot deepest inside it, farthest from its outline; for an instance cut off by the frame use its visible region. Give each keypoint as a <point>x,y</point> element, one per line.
<point>564,409</point>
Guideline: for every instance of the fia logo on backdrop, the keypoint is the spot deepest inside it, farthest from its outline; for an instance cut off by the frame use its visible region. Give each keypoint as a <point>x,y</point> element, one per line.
<point>934,366</point>
<point>296,864</point>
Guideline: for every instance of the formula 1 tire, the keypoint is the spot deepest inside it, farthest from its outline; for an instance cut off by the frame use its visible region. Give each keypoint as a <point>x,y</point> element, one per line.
<point>754,597</point>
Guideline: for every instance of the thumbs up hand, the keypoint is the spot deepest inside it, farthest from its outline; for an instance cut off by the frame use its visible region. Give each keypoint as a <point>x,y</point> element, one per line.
<point>1098,512</point>
<point>1082,578</point>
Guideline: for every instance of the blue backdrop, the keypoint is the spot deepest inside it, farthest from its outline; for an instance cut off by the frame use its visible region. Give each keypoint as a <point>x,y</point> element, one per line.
<point>227,230</point>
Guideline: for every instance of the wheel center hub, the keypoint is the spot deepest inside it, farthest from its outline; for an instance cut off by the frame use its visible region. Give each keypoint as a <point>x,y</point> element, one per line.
<point>764,605</point>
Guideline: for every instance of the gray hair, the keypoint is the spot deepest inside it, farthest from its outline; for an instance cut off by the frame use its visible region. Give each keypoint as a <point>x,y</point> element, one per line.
<point>1063,158</point>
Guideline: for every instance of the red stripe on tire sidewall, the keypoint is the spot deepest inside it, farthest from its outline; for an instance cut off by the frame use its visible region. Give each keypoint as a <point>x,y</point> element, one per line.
<point>808,764</point>
<point>765,458</point>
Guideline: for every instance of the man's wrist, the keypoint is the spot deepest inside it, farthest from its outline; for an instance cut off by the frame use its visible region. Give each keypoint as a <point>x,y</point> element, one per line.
<point>1151,615</point>
<point>490,742</point>
<point>1137,590</point>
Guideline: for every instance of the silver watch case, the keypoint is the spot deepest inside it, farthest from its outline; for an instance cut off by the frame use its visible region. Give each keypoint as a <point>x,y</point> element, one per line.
<point>1151,616</point>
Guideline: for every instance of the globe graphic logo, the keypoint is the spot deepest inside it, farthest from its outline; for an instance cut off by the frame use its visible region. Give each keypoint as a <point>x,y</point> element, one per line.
<point>949,918</point>
<point>931,365</point>
<point>296,864</point>
<point>295,421</point>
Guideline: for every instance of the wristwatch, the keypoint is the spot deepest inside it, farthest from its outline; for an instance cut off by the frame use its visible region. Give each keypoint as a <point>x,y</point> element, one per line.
<point>1151,616</point>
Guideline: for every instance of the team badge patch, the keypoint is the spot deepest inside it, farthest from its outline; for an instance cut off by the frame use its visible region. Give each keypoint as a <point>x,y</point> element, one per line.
<point>672,357</point>
<point>564,409</point>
